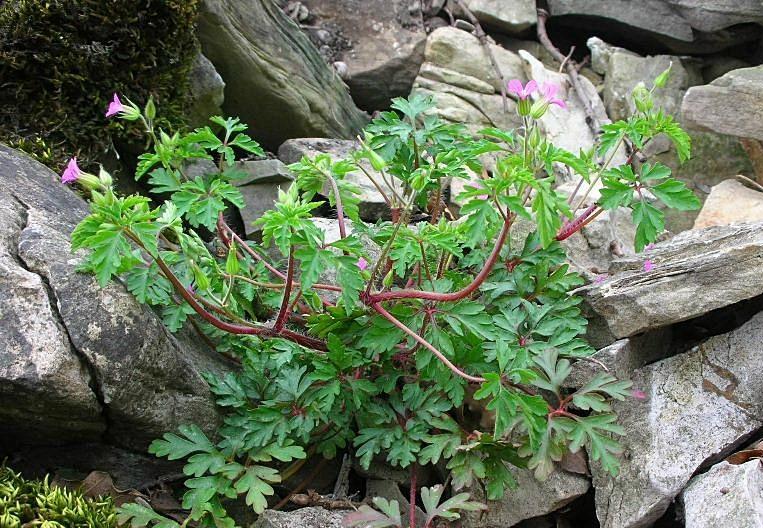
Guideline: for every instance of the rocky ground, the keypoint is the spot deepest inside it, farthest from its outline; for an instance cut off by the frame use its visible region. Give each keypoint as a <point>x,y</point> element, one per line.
<point>88,377</point>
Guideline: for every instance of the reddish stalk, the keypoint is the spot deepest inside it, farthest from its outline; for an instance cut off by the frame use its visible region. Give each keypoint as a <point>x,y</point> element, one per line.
<point>570,228</point>
<point>426,344</point>
<point>339,207</point>
<point>373,299</point>
<point>284,311</point>
<point>412,498</point>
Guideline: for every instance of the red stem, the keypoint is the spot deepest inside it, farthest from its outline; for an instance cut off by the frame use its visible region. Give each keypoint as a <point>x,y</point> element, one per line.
<point>373,299</point>
<point>426,344</point>
<point>284,312</point>
<point>570,228</point>
<point>303,340</point>
<point>339,208</point>
<point>412,498</point>
<point>222,226</point>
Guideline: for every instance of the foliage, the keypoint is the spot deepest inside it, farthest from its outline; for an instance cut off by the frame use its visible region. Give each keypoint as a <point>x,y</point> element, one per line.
<point>384,361</point>
<point>61,59</point>
<point>37,503</point>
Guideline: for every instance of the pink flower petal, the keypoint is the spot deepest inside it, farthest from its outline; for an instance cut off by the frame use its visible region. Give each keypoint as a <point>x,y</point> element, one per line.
<point>600,279</point>
<point>531,88</point>
<point>72,172</point>
<point>648,265</point>
<point>115,106</point>
<point>638,394</point>
<point>362,264</point>
<point>515,87</point>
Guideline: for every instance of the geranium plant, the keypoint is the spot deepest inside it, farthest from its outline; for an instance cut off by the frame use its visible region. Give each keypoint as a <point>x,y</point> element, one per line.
<point>372,342</point>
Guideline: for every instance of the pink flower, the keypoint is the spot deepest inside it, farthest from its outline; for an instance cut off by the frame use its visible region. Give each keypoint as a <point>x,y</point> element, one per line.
<point>115,107</point>
<point>600,279</point>
<point>72,172</point>
<point>638,394</point>
<point>649,247</point>
<point>548,91</point>
<point>362,264</point>
<point>523,92</point>
<point>648,265</point>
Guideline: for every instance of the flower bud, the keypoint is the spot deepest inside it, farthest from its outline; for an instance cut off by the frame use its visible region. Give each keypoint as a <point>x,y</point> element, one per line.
<point>535,138</point>
<point>539,108</point>
<point>387,281</point>
<point>105,178</point>
<point>524,107</point>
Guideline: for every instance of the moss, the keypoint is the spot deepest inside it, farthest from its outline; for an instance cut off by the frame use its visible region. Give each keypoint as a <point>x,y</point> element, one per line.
<point>37,503</point>
<point>61,60</point>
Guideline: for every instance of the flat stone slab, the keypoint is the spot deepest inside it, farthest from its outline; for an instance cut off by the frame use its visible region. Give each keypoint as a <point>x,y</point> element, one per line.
<point>699,407</point>
<point>694,273</point>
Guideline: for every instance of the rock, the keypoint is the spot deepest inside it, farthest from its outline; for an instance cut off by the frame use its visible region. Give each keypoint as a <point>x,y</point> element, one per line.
<point>693,273</point>
<point>92,359</point>
<point>661,24</point>
<point>621,358</point>
<point>730,202</point>
<point>460,51</point>
<point>652,16</point>
<point>275,79</point>
<point>260,189</point>
<point>715,158</point>
<point>384,51</point>
<point>44,385</point>
<point>727,495</point>
<point>532,498</point>
<point>312,517</point>
<point>372,204</point>
<point>700,405</point>
<point>507,17</point>
<point>601,52</point>
<point>732,104</point>
<point>714,15</point>
<point>458,75</point>
<point>626,70</point>
<point>207,92</point>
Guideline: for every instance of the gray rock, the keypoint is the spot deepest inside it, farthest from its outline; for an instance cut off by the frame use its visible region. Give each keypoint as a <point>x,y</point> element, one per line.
<point>671,24</point>
<point>532,498</point>
<point>601,52</point>
<point>715,157</point>
<point>714,15</point>
<point>626,70</point>
<point>144,380</point>
<point>275,78</point>
<point>653,16</point>
<point>621,358</point>
<point>730,202</point>
<point>507,17</point>
<point>700,405</point>
<point>384,51</point>
<point>727,495</point>
<point>312,517</point>
<point>732,104</point>
<point>372,204</point>
<point>44,385</point>
<point>207,92</point>
<point>458,75</point>
<point>694,273</point>
<point>260,189</point>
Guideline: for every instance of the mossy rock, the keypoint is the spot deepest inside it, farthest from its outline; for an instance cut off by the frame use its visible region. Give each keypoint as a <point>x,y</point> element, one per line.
<point>38,503</point>
<point>61,60</point>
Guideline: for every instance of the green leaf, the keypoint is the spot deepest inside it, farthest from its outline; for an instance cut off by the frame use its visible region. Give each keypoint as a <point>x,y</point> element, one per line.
<point>139,516</point>
<point>430,497</point>
<point>615,194</point>
<point>255,483</point>
<point>367,517</point>
<point>594,431</point>
<point>675,195</point>
<point>649,221</point>
<point>175,447</point>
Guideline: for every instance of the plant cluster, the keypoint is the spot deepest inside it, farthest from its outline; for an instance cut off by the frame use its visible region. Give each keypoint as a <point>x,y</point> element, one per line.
<point>421,318</point>
<point>60,58</point>
<point>37,503</point>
